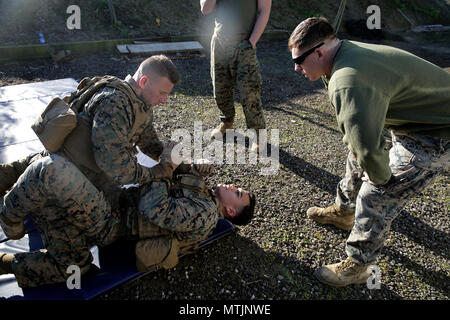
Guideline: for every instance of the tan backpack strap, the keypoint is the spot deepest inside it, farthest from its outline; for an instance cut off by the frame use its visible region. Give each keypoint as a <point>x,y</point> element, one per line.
<point>191,182</point>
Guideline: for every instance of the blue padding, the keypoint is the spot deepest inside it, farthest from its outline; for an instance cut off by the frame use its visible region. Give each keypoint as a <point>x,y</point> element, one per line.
<point>112,266</point>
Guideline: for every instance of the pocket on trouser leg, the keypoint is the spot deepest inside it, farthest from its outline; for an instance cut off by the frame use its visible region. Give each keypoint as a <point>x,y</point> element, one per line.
<point>37,268</point>
<point>374,213</point>
<point>156,252</point>
<point>249,85</point>
<point>425,152</point>
<point>68,246</point>
<point>248,73</point>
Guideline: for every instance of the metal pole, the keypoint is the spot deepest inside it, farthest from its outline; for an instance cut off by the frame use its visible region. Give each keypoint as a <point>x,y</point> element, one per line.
<point>339,15</point>
<point>112,11</point>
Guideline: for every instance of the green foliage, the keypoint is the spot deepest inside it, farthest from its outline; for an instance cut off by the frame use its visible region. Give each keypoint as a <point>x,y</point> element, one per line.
<point>399,4</point>
<point>427,9</point>
<point>100,4</point>
<point>286,273</point>
<point>312,13</point>
<point>118,25</point>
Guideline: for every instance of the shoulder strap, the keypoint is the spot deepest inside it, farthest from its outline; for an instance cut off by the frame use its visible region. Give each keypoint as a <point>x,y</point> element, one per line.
<point>89,86</point>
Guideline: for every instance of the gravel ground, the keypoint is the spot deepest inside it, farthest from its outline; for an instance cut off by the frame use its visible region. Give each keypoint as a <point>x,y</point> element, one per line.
<point>274,256</point>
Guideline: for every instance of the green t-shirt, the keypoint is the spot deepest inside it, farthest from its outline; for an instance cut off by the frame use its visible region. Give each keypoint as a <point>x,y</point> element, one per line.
<point>374,87</point>
<point>235,17</point>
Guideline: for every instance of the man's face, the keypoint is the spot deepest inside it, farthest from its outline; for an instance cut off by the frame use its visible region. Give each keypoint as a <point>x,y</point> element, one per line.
<point>155,90</point>
<point>310,66</point>
<point>232,197</point>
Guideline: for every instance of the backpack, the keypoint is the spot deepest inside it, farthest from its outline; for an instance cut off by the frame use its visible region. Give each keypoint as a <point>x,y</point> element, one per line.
<point>55,124</point>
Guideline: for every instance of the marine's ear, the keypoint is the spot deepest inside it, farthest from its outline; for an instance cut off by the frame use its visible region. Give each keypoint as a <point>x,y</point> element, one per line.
<point>143,81</point>
<point>230,211</point>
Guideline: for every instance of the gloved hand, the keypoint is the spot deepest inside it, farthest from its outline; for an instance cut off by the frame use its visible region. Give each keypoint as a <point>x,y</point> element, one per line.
<point>203,167</point>
<point>166,165</point>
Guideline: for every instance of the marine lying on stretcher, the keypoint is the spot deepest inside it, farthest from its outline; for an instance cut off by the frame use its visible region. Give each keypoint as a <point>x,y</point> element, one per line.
<point>165,217</point>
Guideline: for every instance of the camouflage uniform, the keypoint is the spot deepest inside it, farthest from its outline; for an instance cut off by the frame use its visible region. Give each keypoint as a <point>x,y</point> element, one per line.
<point>189,214</point>
<point>171,221</point>
<point>111,131</point>
<point>10,172</point>
<point>415,160</point>
<point>118,122</point>
<point>234,61</point>
<point>72,215</point>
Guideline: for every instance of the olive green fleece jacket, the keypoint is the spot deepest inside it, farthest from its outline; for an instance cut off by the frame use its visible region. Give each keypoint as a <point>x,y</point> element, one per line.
<point>374,87</point>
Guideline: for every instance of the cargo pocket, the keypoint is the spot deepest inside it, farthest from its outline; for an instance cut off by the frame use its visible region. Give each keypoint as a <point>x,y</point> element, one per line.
<point>153,253</point>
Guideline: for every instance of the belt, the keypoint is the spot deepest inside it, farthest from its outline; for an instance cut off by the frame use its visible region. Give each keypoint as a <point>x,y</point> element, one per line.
<point>233,37</point>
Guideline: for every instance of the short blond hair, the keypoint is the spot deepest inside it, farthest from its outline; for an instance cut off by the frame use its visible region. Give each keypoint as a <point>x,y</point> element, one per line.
<point>311,31</point>
<point>160,66</point>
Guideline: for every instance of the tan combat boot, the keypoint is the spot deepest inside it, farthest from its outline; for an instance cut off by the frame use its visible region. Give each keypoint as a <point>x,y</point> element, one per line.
<point>222,127</point>
<point>343,273</point>
<point>6,263</point>
<point>256,145</point>
<point>332,215</point>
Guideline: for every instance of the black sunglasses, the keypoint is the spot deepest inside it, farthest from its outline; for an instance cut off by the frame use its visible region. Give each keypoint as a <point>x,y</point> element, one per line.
<point>299,60</point>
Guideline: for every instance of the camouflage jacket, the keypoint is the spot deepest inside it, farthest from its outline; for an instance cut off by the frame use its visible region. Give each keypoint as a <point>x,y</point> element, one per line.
<point>189,214</point>
<point>162,207</point>
<point>115,131</point>
<point>113,146</point>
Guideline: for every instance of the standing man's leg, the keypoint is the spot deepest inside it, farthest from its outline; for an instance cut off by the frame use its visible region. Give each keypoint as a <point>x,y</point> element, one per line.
<point>223,81</point>
<point>414,164</point>
<point>249,83</point>
<point>342,213</point>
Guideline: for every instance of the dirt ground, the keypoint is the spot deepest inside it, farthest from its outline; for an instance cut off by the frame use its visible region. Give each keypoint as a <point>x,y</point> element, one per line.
<point>275,256</point>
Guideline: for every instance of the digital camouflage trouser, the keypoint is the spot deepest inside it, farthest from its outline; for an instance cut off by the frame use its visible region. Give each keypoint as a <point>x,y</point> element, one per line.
<point>70,213</point>
<point>10,172</point>
<point>235,63</point>
<point>415,160</point>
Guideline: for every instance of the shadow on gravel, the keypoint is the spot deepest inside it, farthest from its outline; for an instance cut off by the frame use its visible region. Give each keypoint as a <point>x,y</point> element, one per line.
<point>238,268</point>
<point>423,234</point>
<point>436,279</point>
<point>305,119</point>
<point>284,277</point>
<point>6,122</point>
<point>315,175</point>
